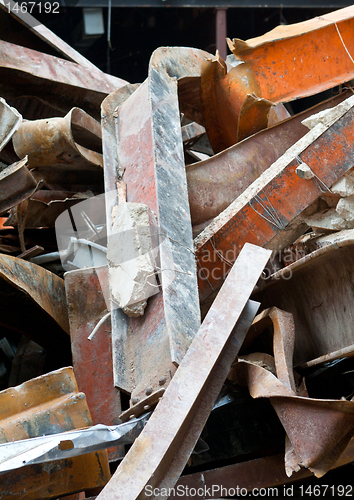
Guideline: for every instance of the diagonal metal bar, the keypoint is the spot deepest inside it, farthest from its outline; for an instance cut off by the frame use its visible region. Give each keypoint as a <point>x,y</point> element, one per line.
<point>159,454</point>
<point>326,149</point>
<point>235,168</point>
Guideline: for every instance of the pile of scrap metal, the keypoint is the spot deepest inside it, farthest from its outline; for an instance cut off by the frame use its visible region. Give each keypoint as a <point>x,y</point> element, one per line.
<point>144,227</point>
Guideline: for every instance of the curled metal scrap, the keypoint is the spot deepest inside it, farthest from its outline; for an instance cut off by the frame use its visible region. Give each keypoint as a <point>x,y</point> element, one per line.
<point>45,288</point>
<point>322,305</point>
<point>16,184</point>
<point>56,142</point>
<point>305,75</point>
<point>46,448</point>
<point>318,430</point>
<point>232,109</point>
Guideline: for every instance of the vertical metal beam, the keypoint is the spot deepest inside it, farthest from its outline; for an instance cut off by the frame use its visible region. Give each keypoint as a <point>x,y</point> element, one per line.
<point>149,158</point>
<point>221,31</point>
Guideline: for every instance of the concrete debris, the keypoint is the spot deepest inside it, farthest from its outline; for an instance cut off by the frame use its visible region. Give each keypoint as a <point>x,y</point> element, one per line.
<point>330,220</point>
<point>131,265</point>
<point>345,208</point>
<point>345,186</point>
<point>142,226</point>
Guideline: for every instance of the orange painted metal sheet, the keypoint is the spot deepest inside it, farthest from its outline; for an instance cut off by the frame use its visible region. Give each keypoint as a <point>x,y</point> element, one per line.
<point>287,63</point>
<point>232,109</point>
<point>47,405</point>
<point>262,215</point>
<point>301,59</point>
<point>213,184</point>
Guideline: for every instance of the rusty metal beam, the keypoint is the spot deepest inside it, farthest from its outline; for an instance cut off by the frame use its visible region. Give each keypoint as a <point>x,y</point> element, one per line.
<point>288,62</point>
<point>151,162</point>
<point>215,183</point>
<point>160,453</point>
<point>64,83</point>
<point>267,212</point>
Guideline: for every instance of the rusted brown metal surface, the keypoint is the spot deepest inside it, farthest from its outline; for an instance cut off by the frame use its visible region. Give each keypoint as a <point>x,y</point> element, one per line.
<point>152,173</point>
<point>215,183</point>
<point>267,211</point>
<point>92,359</point>
<point>276,67</point>
<point>180,415</point>
<point>64,83</point>
<point>259,473</point>
<point>164,360</point>
<point>265,472</point>
<point>43,208</point>
<point>318,430</point>
<point>62,150</point>
<point>317,291</point>
<point>48,404</point>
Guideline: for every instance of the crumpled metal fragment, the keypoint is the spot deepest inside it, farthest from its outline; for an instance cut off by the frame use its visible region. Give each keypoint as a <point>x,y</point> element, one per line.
<point>71,443</point>
<point>318,430</point>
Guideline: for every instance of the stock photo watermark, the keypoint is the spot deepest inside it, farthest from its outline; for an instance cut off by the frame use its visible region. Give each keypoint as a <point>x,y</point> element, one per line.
<point>283,491</point>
